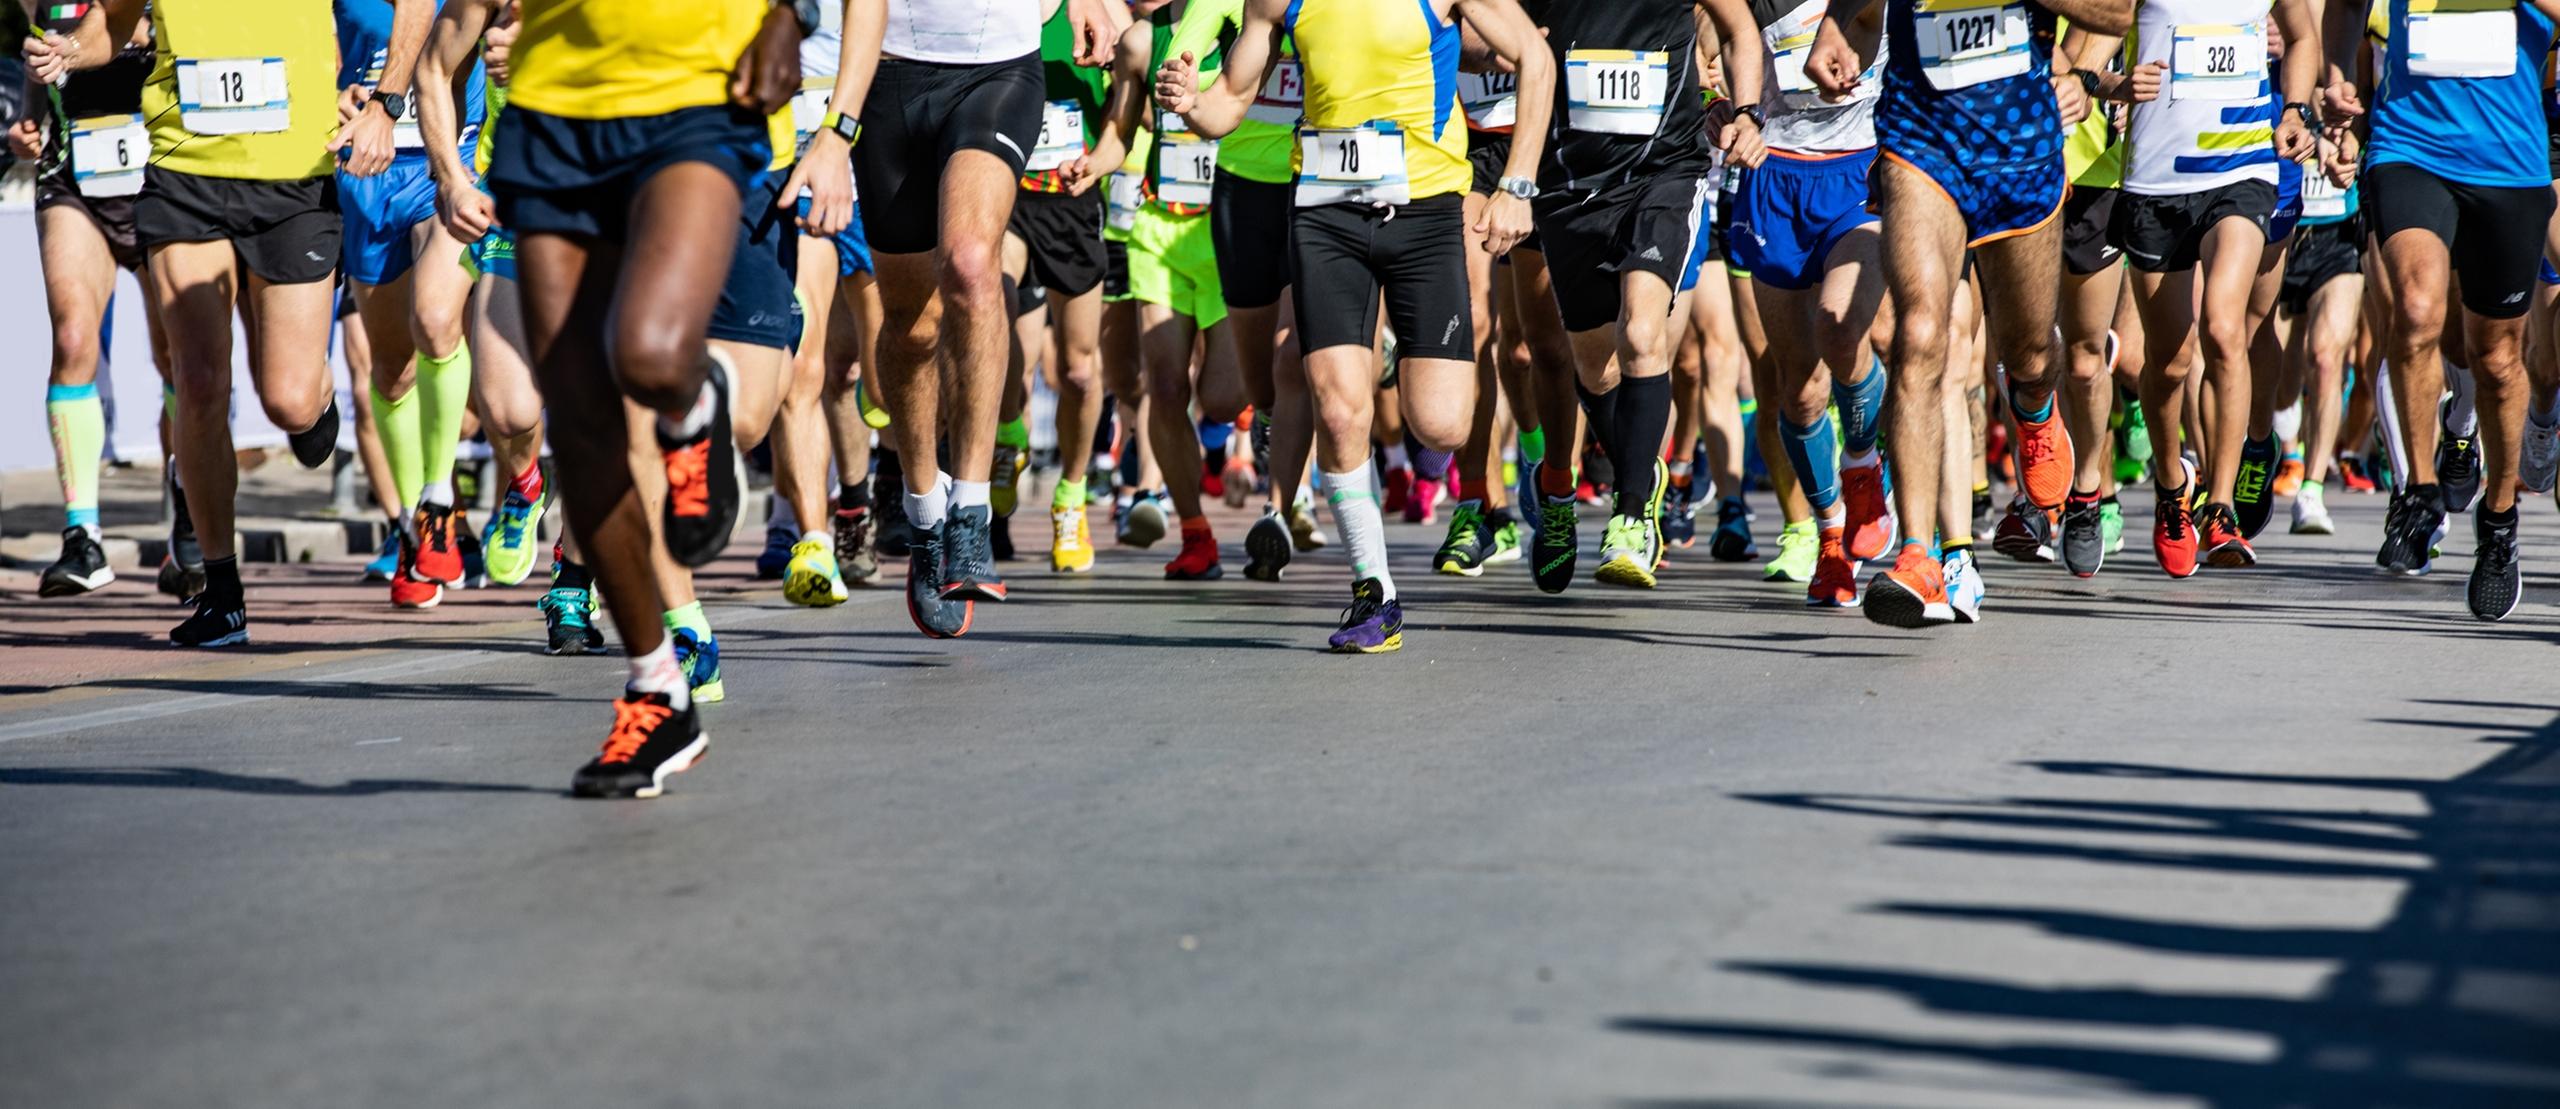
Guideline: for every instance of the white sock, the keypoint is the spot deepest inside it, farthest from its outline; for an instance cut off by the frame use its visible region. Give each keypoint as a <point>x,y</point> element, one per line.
<point>1836,518</point>
<point>2387,409</point>
<point>2288,423</point>
<point>967,494</point>
<point>1354,497</point>
<point>694,420</point>
<point>436,492</point>
<point>1396,458</point>
<point>1860,461</point>
<point>926,512</point>
<point>656,672</point>
<point>2462,414</point>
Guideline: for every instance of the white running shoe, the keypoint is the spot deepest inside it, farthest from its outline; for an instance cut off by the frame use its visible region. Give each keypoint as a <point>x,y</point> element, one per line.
<point>2311,514</point>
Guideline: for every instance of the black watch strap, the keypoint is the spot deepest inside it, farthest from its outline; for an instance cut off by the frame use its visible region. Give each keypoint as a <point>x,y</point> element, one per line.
<point>2088,80</point>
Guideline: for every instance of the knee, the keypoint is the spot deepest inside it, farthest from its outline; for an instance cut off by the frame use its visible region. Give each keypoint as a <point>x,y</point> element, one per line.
<point>2087,360</point>
<point>1648,341</point>
<point>2226,343</point>
<point>1221,401</point>
<point>1080,373</point>
<point>909,341</point>
<point>657,364</point>
<point>1169,389</point>
<point>437,326</point>
<point>973,275</point>
<point>2418,317</point>
<point>75,352</point>
<point>296,413</point>
<point>1919,340</point>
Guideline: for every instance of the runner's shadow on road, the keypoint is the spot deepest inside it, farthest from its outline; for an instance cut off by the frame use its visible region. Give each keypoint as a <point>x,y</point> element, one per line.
<point>389,688</point>
<point>187,777</point>
<point>2454,999</point>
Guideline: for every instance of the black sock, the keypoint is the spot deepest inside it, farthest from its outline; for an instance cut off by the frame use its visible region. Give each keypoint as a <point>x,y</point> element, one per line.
<point>1497,517</point>
<point>1643,418</point>
<point>1600,411</point>
<point>222,581</point>
<point>855,494</point>
<point>569,574</point>
<point>2506,519</point>
<point>885,466</point>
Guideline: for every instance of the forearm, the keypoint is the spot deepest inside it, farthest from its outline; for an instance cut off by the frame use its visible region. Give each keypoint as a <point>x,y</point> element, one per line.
<point>2112,17</point>
<point>866,24</point>
<point>410,21</point>
<point>1536,105</point>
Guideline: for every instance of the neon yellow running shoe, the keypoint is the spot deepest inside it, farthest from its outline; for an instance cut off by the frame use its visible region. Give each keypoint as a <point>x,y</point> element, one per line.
<point>512,544</point>
<point>1798,545</point>
<point>873,416</point>
<point>812,579</point>
<point>1629,552</point>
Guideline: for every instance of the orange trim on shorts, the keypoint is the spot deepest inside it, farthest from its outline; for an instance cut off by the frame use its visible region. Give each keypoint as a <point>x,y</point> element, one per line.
<point>1817,158</point>
<point>1960,213</point>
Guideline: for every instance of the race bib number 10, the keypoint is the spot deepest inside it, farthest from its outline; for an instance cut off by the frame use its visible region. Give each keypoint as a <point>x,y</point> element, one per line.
<point>1963,43</point>
<point>233,96</point>
<point>1363,164</point>
<point>1616,92</point>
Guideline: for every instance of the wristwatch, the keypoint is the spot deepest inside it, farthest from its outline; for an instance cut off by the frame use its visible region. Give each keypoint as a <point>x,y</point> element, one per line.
<point>846,127</point>
<point>1758,118</point>
<point>1522,187</point>
<point>2309,121</point>
<point>809,15</point>
<point>392,102</point>
<point>2088,81</point>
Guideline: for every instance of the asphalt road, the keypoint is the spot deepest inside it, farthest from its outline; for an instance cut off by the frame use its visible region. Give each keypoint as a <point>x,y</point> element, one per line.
<point>2287,836</point>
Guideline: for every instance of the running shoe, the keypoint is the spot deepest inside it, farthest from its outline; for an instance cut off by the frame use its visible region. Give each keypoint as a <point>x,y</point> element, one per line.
<point>1679,518</point>
<point>698,655</point>
<point>2173,534</point>
<point>2497,582</point>
<point>1964,585</point>
<point>513,542</point>
<point>2218,534</point>
<point>1373,625</point>
<point>811,579</point>
<point>2411,530</point>
<point>1395,491</point>
<point>2355,476</point>
<point>1463,552</point>
<point>968,560</point>
<point>81,568</point>
<point>408,590</point>
<point>652,741</point>
<point>1198,559</point>
<point>313,446</point>
<point>2311,512</point>
<point>1000,538</point>
<point>1304,533</point>
<point>475,566</point>
<point>702,483</point>
<point>2253,500</point>
<point>1266,548</point>
<point>1524,493</point>
<point>2025,533</point>
<point>2458,472</point>
<point>1070,544</point>
<point>2289,473</point>
<point>386,563</point>
<point>1239,482</point>
<point>2044,459</point>
<point>857,552</point>
<point>2133,435</point>
<point>1506,543</point>
<point>935,614</point>
<point>2540,469</point>
<point>2111,524</point>
<point>438,557</point>
<point>568,622</point>
<point>179,580</point>
<point>215,624</point>
<point>1144,522</point>
<point>775,559</point>
<point>1423,505</point>
<point>1835,574</point>
<point>1630,550</point>
<point>1871,530</point>
<point>874,416</point>
<point>895,535</point>
<point>2084,538</point>
<point>1732,539</point>
<point>1911,595</point>
<point>1005,494</point>
<point>1559,544</point>
<point>1799,547</point>
<point>1986,514</point>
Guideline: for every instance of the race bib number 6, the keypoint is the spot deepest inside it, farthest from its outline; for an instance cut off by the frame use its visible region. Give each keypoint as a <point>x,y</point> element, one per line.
<point>107,155</point>
<point>233,96</point>
<point>1963,43</point>
<point>1616,92</point>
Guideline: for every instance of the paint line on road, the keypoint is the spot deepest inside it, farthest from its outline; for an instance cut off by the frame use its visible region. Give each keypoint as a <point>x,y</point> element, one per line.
<point>153,710</point>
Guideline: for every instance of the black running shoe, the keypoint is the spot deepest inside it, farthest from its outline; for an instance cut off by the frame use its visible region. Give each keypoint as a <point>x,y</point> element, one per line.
<point>313,446</point>
<point>2410,529</point>
<point>2458,471</point>
<point>1469,542</point>
<point>2497,581</point>
<point>968,555</point>
<point>1266,548</point>
<point>2253,498</point>
<point>1679,517</point>
<point>857,555</point>
<point>217,623</point>
<point>935,615</point>
<point>889,500</point>
<point>179,580</point>
<point>1732,539</point>
<point>2084,538</point>
<point>1000,538</point>
<point>1551,564</point>
<point>702,483</point>
<point>652,740</point>
<point>1986,515</point>
<point>82,567</point>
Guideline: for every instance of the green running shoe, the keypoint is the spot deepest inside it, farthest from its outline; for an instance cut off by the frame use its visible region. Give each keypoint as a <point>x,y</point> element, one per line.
<point>2111,525</point>
<point>1464,553</point>
<point>1798,545</point>
<point>1629,553</point>
<point>1506,544</point>
<point>512,544</point>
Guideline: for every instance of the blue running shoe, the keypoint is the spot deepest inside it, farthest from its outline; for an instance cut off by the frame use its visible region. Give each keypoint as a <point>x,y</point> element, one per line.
<point>698,655</point>
<point>388,562</point>
<point>568,622</point>
<point>775,561</point>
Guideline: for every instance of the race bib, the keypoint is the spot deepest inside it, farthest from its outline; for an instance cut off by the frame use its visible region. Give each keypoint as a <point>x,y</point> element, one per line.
<point>233,96</point>
<point>1363,164</point>
<point>108,153</point>
<point>1121,196</point>
<point>2321,198</point>
<point>1061,136</point>
<point>1284,95</point>
<point>1186,165</point>
<point>809,105</point>
<point>1491,100</point>
<point>1616,92</point>
<point>1963,43</point>
<point>2462,38</point>
<point>2217,62</point>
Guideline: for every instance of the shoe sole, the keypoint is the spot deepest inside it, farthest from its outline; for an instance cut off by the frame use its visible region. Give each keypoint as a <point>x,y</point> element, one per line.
<point>2315,529</point>
<point>2021,548</point>
<point>1829,603</point>
<point>657,787</point>
<point>65,585</point>
<point>1890,603</point>
<point>813,592</point>
<point>421,606</point>
<point>968,615</point>
<point>572,650</point>
<point>1457,569</point>
<point>1133,533</point>
<point>1083,567</point>
<point>1623,571</point>
<point>1213,573</point>
<point>1392,643</point>
<point>2230,556</point>
<point>1267,551</point>
<point>233,639</point>
<point>975,591</point>
<point>710,693</point>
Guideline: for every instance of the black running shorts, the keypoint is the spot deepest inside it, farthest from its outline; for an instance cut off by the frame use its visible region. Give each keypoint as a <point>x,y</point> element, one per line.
<point>2494,234</point>
<point>111,215</point>
<point>1342,255</point>
<point>2321,253</point>
<point>1649,224</point>
<point>1063,233</point>
<point>919,115</point>
<point>286,232</point>
<point>2086,213</point>
<point>1249,226</point>
<point>2163,234</point>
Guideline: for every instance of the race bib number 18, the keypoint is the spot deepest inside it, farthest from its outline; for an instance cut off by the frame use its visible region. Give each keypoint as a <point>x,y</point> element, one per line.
<point>233,96</point>
<point>1616,92</point>
<point>107,155</point>
<point>1967,42</point>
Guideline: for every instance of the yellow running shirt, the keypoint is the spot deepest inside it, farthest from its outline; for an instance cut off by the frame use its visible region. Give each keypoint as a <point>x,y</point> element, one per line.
<point>627,59</point>
<point>1368,62</point>
<point>243,89</point>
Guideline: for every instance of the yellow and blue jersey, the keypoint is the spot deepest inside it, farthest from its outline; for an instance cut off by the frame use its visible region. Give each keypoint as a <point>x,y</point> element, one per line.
<point>1387,63</point>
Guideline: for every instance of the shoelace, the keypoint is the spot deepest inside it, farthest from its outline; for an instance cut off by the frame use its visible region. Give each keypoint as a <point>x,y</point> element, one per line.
<point>565,605</point>
<point>1554,518</point>
<point>512,520</point>
<point>972,549</point>
<point>2252,480</point>
<point>2458,467</point>
<point>930,545</point>
<point>632,723</point>
<point>2498,551</point>
<point>2173,519</point>
<point>1064,524</point>
<point>435,533</point>
<point>1363,609</point>
<point>689,479</point>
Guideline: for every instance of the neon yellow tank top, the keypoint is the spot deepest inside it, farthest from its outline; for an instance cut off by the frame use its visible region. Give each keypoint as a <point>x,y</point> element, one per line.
<point>1368,62</point>
<point>243,89</point>
<point>626,59</point>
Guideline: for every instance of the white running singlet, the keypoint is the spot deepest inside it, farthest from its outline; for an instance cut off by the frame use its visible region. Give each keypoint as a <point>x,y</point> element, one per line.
<point>963,32</point>
<point>2213,123</point>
